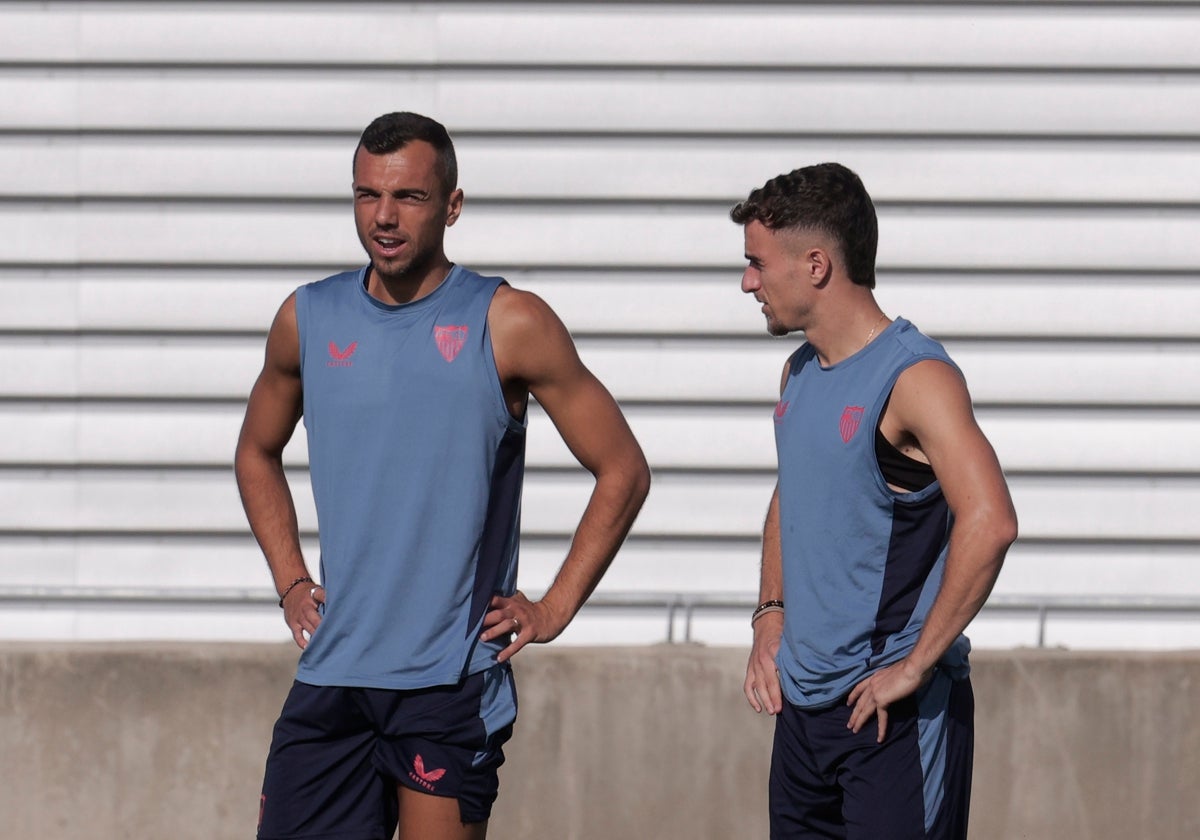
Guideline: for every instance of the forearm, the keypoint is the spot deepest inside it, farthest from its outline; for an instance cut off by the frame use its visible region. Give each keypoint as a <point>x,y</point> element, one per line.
<point>271,512</point>
<point>614,505</point>
<point>975,556</point>
<point>762,687</point>
<point>770,587</point>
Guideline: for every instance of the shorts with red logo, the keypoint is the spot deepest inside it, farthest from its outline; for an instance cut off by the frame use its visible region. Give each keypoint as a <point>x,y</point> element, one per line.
<point>829,782</point>
<point>338,754</point>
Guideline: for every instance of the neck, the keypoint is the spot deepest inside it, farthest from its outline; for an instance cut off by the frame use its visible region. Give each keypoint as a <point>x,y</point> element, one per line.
<point>409,285</point>
<point>839,338</point>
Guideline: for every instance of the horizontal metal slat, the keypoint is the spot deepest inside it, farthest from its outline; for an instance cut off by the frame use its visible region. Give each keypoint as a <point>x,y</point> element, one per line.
<point>619,302</point>
<point>695,438</point>
<point>581,169</point>
<point>636,369</point>
<point>568,34</point>
<point>697,506</point>
<point>596,101</point>
<point>525,236</point>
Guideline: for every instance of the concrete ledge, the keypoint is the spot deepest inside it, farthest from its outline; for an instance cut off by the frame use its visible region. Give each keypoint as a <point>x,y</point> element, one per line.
<point>164,740</point>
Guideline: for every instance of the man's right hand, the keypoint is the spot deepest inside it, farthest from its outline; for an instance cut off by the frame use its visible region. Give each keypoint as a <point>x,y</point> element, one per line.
<point>762,678</point>
<point>300,611</point>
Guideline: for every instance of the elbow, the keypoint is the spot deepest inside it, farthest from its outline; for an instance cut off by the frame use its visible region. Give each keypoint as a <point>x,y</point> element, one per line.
<point>642,485</point>
<point>1008,529</point>
<point>251,462</point>
<point>243,466</point>
<point>637,480</point>
<point>1002,531</point>
<point>245,456</point>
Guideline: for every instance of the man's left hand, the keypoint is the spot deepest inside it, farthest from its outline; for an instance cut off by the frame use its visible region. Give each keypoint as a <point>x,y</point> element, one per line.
<point>872,696</point>
<point>522,620</point>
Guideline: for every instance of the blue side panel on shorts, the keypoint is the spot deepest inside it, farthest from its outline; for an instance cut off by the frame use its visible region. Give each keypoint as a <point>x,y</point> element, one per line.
<point>827,781</point>
<point>931,735</point>
<point>498,706</point>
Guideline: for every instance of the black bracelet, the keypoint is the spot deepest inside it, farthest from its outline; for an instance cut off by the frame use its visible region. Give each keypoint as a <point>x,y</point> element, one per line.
<point>774,602</point>
<point>293,585</point>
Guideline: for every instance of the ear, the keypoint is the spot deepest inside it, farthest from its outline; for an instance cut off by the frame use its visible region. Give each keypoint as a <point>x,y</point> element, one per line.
<point>454,207</point>
<point>818,267</point>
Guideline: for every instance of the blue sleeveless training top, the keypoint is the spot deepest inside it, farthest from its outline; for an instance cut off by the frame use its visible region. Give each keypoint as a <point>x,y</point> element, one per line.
<point>862,563</point>
<point>416,470</point>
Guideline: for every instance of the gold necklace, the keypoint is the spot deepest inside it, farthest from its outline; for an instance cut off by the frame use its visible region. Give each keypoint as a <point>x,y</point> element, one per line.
<point>871,334</point>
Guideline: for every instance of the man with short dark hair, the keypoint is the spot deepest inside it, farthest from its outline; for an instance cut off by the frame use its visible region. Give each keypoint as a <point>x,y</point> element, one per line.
<point>413,376</point>
<point>888,526</point>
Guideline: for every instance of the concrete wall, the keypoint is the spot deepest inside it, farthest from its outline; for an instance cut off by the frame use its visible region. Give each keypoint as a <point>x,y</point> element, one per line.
<point>149,741</point>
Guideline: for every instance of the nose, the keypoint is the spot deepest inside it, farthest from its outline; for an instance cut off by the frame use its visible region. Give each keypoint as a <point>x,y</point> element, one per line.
<point>385,212</point>
<point>750,281</point>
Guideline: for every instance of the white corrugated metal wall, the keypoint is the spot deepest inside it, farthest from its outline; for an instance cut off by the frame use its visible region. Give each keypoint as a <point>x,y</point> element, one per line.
<point>170,171</point>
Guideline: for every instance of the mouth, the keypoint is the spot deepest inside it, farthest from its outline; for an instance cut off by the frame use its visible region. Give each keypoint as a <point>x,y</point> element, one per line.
<point>388,246</point>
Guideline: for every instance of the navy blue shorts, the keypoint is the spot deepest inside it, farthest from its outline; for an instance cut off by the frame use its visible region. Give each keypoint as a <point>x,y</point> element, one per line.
<point>829,782</point>
<point>338,754</point>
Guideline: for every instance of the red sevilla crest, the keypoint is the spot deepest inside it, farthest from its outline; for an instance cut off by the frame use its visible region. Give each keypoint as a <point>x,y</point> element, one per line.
<point>450,340</point>
<point>851,418</point>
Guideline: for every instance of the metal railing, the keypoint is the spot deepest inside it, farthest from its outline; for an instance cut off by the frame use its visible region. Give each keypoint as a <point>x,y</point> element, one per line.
<point>677,607</point>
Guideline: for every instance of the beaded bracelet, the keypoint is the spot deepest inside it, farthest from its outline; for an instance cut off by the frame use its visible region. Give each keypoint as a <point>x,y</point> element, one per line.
<point>293,585</point>
<point>774,605</point>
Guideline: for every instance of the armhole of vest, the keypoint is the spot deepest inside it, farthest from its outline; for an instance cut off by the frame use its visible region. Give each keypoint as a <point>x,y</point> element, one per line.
<point>493,372</point>
<point>884,398</point>
<point>301,323</point>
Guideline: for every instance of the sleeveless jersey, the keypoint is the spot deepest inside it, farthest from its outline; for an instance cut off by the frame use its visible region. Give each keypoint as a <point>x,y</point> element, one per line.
<point>862,563</point>
<point>416,468</point>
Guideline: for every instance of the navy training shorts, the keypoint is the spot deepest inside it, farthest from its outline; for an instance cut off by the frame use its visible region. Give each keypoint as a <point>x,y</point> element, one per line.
<point>338,753</point>
<point>829,782</point>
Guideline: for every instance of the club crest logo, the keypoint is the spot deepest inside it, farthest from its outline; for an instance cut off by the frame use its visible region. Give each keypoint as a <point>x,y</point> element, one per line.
<point>781,408</point>
<point>339,357</point>
<point>851,418</point>
<point>450,340</point>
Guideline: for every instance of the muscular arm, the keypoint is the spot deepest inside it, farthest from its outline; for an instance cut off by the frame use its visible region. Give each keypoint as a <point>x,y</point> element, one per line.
<point>762,677</point>
<point>272,412</point>
<point>535,355</point>
<point>931,405</point>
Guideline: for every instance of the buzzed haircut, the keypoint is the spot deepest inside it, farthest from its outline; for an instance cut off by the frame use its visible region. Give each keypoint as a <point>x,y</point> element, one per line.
<point>392,132</point>
<point>828,198</point>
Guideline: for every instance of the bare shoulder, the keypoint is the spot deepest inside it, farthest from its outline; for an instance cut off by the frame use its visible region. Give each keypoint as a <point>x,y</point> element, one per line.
<point>929,385</point>
<point>515,310</point>
<point>931,407</point>
<point>283,340</point>
<point>285,318</point>
<point>528,339</point>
